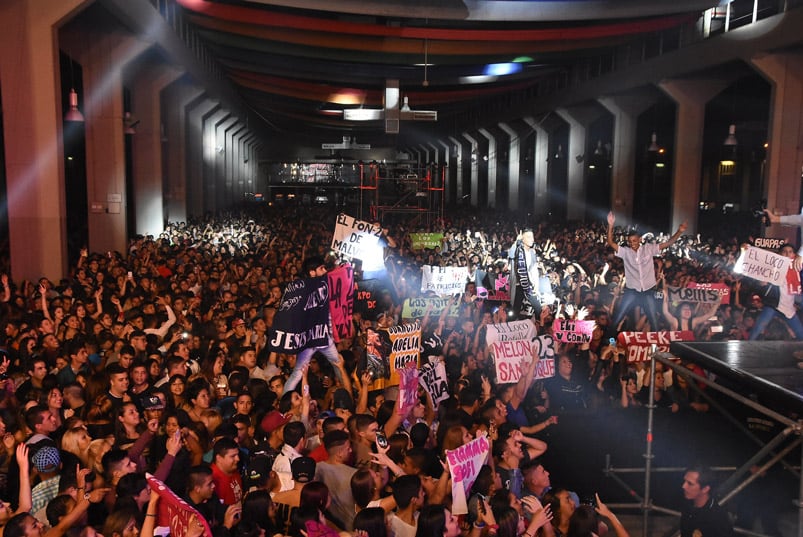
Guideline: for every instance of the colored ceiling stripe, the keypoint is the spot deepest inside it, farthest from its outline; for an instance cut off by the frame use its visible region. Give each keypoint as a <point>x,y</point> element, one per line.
<point>381,47</point>
<point>263,17</point>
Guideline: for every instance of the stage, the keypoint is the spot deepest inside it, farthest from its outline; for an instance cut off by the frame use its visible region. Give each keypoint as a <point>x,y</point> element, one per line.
<point>768,368</point>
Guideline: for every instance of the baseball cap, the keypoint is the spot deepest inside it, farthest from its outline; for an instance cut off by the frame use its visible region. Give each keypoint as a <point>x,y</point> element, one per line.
<point>47,459</point>
<point>237,322</point>
<point>303,469</point>
<point>273,420</point>
<point>152,402</point>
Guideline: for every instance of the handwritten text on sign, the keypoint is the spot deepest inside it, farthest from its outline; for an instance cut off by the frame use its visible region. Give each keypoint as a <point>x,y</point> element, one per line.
<point>355,238</point>
<point>571,331</point>
<point>405,343</point>
<point>464,465</point>
<point>415,308</point>
<point>433,378</point>
<point>723,289</point>
<point>766,267</point>
<point>515,343</point>
<point>443,280</point>
<point>639,344</point>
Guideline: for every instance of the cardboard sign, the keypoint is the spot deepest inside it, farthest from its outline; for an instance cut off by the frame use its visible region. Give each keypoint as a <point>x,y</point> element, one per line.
<point>433,378</point>
<point>723,289</point>
<point>425,241</point>
<point>639,344</point>
<point>768,267</point>
<point>408,386</point>
<point>512,346</point>
<point>572,331</point>
<point>405,348</point>
<point>416,308</point>
<point>464,466</point>
<point>173,512</point>
<point>341,301</point>
<point>443,280</point>
<point>357,239</point>
<point>768,243</point>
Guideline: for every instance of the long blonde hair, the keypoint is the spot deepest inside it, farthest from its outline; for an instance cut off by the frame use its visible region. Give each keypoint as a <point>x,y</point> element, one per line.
<point>69,442</point>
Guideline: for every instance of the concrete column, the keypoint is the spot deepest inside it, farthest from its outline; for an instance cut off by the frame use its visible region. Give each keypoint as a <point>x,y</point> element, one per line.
<point>578,118</point>
<point>449,181</point>
<point>210,159</point>
<point>222,184</point>
<point>236,162</point>
<point>458,178</point>
<point>492,163</point>
<point>435,153</point>
<point>540,166</point>
<point>785,151</point>
<point>176,137</point>
<point>104,58</point>
<point>691,97</point>
<point>197,154</point>
<point>425,153</point>
<point>513,166</point>
<point>147,146</point>
<point>32,121</point>
<point>475,169</point>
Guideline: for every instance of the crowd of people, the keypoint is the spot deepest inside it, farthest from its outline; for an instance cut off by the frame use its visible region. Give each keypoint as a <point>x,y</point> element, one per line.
<point>155,363</point>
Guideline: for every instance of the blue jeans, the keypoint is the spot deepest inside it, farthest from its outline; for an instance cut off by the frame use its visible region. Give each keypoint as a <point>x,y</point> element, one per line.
<point>767,314</point>
<point>631,297</point>
<point>329,350</point>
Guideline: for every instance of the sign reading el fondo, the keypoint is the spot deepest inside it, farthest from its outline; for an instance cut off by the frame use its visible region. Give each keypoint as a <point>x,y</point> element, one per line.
<point>355,238</point>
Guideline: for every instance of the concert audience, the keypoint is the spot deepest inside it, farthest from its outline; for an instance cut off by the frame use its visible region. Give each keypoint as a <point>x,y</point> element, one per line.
<point>162,359</point>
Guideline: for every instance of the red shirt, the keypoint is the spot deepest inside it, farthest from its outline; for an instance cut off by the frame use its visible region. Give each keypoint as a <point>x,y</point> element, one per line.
<point>319,454</point>
<point>229,488</point>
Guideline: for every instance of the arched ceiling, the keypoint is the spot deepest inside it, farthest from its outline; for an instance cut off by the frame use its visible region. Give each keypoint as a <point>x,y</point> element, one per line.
<point>298,63</point>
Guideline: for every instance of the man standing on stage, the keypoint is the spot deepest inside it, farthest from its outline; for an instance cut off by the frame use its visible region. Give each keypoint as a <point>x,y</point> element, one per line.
<point>640,279</point>
<point>524,274</point>
<point>703,516</point>
<point>789,220</point>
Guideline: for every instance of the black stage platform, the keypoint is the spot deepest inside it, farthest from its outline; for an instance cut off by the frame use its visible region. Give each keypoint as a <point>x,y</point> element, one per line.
<point>767,367</point>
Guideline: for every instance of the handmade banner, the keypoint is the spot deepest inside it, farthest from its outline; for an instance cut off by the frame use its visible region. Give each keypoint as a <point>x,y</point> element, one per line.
<point>464,466</point>
<point>302,320</point>
<point>768,243</point>
<point>702,295</point>
<point>722,289</point>
<point>405,348</point>
<point>433,378</point>
<point>513,344</point>
<point>377,351</point>
<point>173,512</point>
<point>492,286</point>
<point>425,241</point>
<point>408,386</point>
<point>415,308</point>
<point>366,297</point>
<point>360,240</point>
<point>341,301</point>
<point>639,344</point>
<point>572,331</point>
<point>444,280</point>
<point>768,267</point>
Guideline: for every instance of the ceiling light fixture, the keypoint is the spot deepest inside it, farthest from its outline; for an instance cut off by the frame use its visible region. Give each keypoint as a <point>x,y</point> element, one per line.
<point>731,141</point>
<point>653,148</point>
<point>73,114</point>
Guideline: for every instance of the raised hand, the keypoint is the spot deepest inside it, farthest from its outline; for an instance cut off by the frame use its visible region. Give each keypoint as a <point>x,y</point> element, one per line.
<point>611,219</point>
